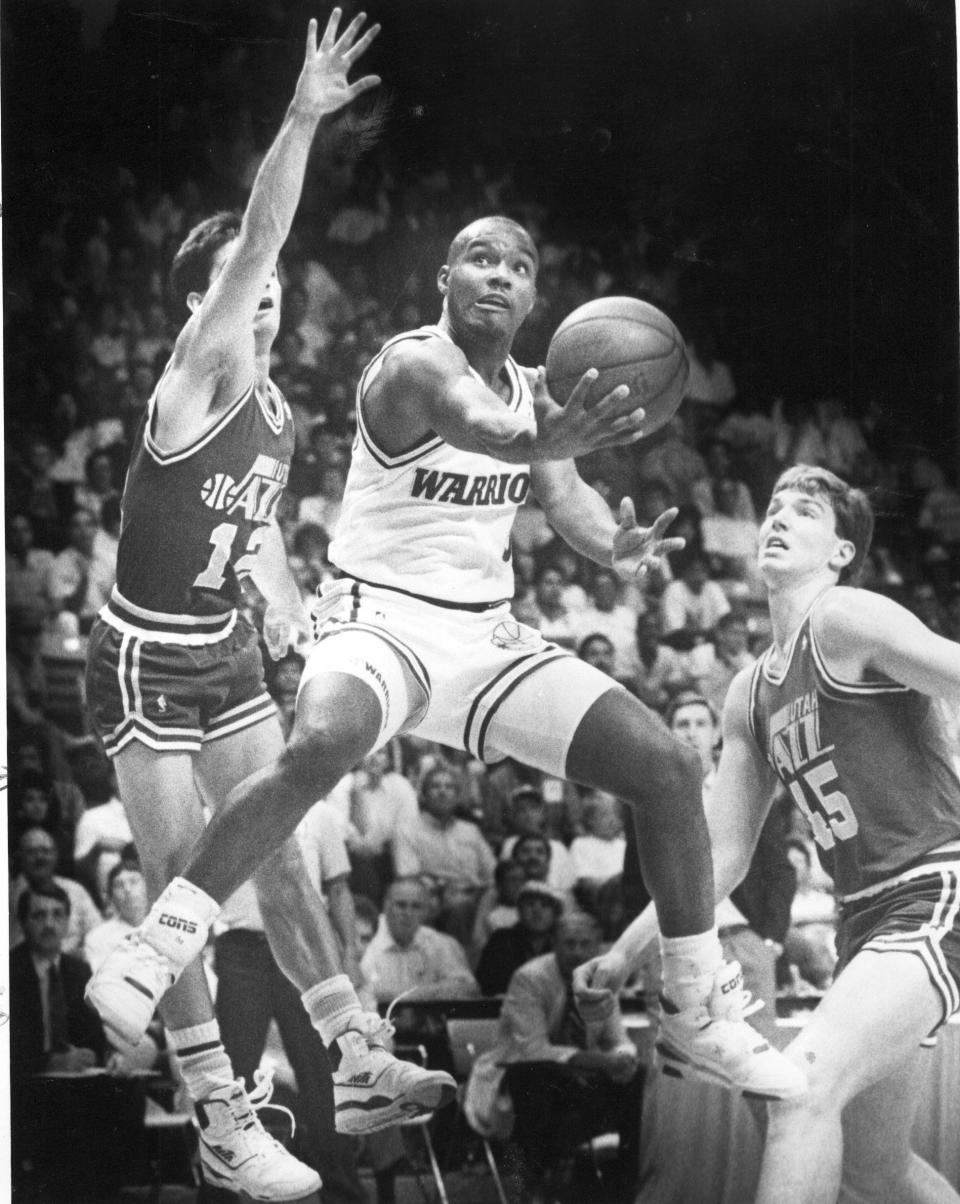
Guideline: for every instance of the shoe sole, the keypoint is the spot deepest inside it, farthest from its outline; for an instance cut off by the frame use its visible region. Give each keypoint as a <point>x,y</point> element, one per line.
<point>231,1182</point>
<point>355,1117</point>
<point>680,1067</point>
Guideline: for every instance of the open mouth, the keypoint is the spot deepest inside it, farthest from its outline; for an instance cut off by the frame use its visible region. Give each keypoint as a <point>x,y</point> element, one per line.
<point>774,542</point>
<point>265,304</point>
<point>493,301</point>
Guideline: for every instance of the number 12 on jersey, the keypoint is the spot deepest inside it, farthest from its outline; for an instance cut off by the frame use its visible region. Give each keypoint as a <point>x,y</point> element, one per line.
<point>222,538</point>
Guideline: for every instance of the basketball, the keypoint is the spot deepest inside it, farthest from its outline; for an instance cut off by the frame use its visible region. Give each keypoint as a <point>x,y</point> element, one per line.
<point>630,343</point>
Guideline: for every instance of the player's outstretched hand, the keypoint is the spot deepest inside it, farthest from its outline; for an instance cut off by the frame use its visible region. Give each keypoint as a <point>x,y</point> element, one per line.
<point>281,628</point>
<point>635,548</point>
<point>322,87</point>
<point>584,425</point>
<point>596,985</point>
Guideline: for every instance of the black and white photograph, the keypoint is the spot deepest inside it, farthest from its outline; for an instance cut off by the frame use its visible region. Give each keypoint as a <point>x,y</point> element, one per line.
<point>482,592</point>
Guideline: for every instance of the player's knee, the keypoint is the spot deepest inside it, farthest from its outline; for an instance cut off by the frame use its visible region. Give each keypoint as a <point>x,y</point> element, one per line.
<point>672,773</point>
<point>314,761</point>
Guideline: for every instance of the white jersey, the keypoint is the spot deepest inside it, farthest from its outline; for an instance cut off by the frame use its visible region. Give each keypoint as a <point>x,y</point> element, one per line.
<point>432,520</point>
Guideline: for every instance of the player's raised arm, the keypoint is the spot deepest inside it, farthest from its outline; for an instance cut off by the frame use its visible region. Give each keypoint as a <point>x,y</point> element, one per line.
<point>227,311</point>
<point>862,633</point>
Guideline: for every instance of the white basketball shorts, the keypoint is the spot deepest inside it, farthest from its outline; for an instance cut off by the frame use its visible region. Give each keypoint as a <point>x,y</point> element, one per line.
<point>469,679</point>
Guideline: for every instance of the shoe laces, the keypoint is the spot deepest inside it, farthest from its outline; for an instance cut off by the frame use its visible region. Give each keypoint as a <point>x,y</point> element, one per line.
<point>739,1005</point>
<point>375,1029</point>
<point>244,1110</point>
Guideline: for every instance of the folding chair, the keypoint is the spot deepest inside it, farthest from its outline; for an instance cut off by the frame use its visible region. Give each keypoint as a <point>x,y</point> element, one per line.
<point>418,1053</point>
<point>468,1040</point>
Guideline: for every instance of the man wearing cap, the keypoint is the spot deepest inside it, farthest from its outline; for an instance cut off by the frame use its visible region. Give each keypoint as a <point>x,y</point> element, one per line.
<point>528,814</point>
<point>539,907</point>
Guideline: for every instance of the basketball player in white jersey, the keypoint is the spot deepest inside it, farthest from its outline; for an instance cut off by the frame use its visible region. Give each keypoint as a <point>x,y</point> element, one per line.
<point>417,635</point>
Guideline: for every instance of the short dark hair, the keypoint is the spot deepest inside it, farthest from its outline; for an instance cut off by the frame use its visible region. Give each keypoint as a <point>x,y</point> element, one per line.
<point>853,514</point>
<point>542,840</point>
<point>464,237</point>
<point>593,638</point>
<point>127,865</point>
<point>46,892</point>
<point>190,270</point>
<point>690,698</point>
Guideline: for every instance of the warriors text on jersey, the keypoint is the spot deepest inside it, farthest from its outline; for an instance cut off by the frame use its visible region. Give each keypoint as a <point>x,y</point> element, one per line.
<point>432,520</point>
<point>193,519</point>
<point>868,763</point>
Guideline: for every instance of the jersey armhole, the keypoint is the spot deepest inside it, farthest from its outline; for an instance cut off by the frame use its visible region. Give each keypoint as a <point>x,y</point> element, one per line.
<point>419,447</point>
<point>879,685</point>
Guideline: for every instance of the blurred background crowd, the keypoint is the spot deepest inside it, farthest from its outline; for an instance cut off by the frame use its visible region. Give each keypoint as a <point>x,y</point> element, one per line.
<point>812,274</point>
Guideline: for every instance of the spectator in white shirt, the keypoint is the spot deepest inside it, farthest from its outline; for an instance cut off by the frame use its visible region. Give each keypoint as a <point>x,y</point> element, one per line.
<point>450,853</point>
<point>692,603</point>
<point>611,616</point>
<point>597,856</point>
<point>102,831</point>
<point>407,955</point>
<point>79,584</point>
<point>375,803</point>
<point>127,893</point>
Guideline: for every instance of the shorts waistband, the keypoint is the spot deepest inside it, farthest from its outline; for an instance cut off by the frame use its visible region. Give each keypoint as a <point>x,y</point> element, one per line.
<point>162,628</point>
<point>945,855</point>
<point>473,607</point>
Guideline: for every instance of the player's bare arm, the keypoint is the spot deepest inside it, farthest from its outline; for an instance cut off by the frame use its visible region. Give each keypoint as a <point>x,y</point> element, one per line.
<point>736,809</point>
<point>583,519</point>
<point>285,616</point>
<point>863,635</point>
<point>214,355</point>
<point>429,386</point>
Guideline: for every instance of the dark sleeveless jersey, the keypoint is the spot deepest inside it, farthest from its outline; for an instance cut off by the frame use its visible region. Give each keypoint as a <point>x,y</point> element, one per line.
<point>194,519</point>
<point>869,764</point>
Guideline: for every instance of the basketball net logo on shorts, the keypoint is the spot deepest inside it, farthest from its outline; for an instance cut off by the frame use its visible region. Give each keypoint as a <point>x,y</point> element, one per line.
<point>510,634</point>
<point>256,494</point>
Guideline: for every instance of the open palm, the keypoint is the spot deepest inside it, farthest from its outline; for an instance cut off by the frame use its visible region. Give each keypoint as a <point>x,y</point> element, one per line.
<point>323,87</point>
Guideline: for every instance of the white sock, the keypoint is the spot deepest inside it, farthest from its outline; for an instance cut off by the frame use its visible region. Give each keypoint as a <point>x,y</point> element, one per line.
<point>331,1006</point>
<point>202,1059</point>
<point>689,964</point>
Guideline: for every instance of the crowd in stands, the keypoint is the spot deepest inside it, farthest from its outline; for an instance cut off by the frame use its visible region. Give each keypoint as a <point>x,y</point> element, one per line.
<point>459,873</point>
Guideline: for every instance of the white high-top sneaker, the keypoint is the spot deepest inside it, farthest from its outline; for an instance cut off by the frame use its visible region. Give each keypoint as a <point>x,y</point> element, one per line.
<point>372,1089</point>
<point>236,1152</point>
<point>136,974</point>
<point>712,1040</point>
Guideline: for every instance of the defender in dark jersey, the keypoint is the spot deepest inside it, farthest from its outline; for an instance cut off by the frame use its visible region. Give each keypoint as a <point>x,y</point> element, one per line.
<point>175,679</point>
<point>847,710</point>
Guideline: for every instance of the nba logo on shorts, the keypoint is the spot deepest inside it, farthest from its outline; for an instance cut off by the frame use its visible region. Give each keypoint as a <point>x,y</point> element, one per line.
<point>511,634</point>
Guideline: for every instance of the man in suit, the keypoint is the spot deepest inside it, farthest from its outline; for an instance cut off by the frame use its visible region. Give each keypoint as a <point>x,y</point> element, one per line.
<point>569,1081</point>
<point>56,1042</point>
<point>51,1026</point>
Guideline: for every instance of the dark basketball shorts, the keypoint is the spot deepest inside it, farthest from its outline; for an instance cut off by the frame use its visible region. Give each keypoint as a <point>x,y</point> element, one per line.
<point>918,915</point>
<point>174,697</point>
